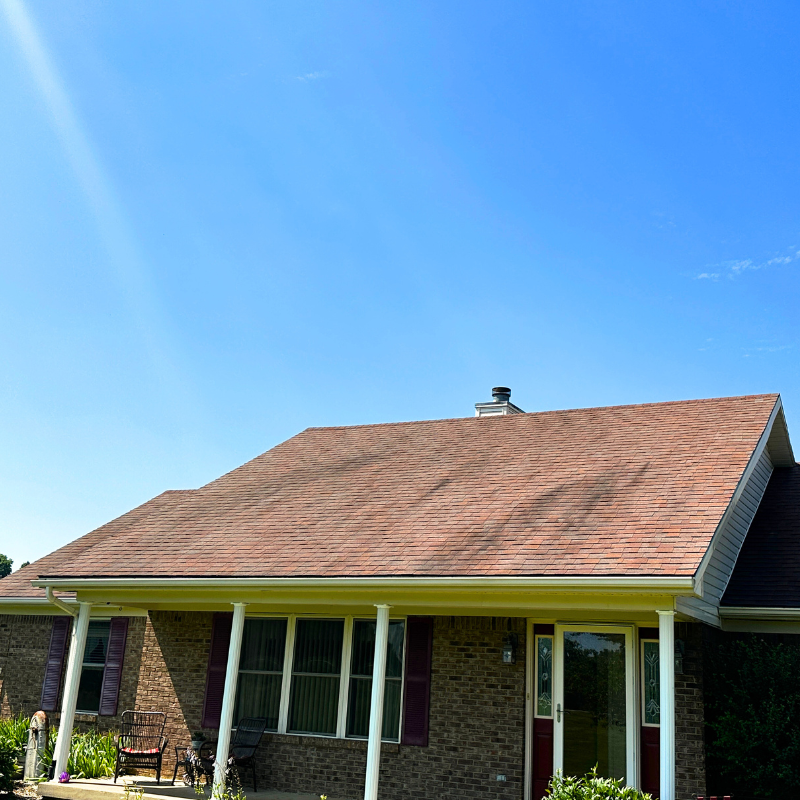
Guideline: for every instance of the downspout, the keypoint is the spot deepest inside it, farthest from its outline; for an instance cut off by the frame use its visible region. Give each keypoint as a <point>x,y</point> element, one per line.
<point>56,601</point>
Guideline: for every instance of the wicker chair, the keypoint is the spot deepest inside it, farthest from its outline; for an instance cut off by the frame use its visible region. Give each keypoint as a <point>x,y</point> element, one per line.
<point>244,744</point>
<point>142,742</point>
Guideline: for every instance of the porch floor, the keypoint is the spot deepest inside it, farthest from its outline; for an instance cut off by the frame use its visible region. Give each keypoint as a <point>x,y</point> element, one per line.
<point>106,789</point>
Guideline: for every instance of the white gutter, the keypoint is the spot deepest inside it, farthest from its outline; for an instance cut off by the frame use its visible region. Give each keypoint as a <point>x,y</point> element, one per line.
<point>51,598</point>
<point>639,583</point>
<point>755,612</point>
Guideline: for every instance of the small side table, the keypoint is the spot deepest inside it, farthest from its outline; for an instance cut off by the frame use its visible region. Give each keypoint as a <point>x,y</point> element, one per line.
<point>205,765</point>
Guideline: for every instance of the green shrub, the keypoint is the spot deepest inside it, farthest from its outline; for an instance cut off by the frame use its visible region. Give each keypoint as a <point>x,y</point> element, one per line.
<point>14,732</point>
<point>92,755</point>
<point>591,787</point>
<point>753,717</point>
<point>8,769</point>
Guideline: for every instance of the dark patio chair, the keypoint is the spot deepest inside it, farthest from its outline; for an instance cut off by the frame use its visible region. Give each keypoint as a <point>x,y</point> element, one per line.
<point>244,743</point>
<point>141,743</point>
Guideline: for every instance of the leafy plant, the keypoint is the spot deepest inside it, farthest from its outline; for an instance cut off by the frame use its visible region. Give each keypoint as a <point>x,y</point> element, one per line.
<point>92,755</point>
<point>8,770</point>
<point>5,565</point>
<point>591,787</point>
<point>14,732</point>
<point>753,717</point>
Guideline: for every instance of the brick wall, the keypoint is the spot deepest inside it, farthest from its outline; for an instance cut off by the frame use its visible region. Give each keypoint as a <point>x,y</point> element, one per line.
<point>172,673</point>
<point>24,642</point>
<point>690,764</point>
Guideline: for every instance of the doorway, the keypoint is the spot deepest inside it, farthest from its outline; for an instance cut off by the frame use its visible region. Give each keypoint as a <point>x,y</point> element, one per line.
<point>591,711</point>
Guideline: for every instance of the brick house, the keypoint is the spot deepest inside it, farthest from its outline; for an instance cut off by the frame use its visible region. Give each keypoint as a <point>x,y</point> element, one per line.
<point>513,593</point>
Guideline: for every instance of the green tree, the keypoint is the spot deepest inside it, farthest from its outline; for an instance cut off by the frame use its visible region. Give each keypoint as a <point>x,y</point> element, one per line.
<point>5,565</point>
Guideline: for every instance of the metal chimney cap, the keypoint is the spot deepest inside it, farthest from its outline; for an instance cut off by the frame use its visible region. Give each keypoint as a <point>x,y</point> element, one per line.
<point>501,394</point>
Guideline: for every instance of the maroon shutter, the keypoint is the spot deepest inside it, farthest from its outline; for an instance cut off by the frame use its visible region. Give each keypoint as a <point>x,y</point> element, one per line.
<point>217,667</point>
<point>55,663</point>
<point>112,674</point>
<point>417,694</point>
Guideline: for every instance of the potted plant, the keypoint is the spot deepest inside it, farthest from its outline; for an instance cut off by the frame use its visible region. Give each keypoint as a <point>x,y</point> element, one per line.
<point>197,740</point>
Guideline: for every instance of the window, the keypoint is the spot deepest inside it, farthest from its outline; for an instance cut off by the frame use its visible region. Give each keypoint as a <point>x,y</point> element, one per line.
<point>544,676</point>
<point>651,686</point>
<point>313,676</point>
<point>94,663</point>
<point>361,663</point>
<point>316,672</point>
<point>261,670</point>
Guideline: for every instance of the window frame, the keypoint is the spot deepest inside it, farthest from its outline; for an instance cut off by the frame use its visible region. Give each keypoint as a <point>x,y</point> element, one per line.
<point>535,694</point>
<point>96,667</point>
<point>344,673</point>
<point>643,684</point>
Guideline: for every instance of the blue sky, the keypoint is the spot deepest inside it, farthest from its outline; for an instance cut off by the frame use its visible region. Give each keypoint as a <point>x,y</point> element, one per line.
<point>221,223</point>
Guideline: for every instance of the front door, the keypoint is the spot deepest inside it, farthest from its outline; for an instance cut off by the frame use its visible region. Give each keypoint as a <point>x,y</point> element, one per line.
<point>594,704</point>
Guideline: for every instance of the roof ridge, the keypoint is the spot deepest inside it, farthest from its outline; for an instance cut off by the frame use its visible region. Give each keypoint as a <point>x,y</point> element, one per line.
<point>659,404</point>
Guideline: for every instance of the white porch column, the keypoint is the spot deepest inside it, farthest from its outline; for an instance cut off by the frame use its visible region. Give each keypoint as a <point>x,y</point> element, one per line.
<point>666,668</point>
<point>376,704</point>
<point>229,696</point>
<point>72,681</point>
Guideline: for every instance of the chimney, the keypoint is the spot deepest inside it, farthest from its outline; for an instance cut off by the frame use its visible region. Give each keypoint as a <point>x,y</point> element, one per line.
<point>500,405</point>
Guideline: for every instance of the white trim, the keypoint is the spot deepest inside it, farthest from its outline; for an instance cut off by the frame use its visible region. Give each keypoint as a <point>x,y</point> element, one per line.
<point>642,683</point>
<point>740,487</point>
<point>654,584</point>
<point>631,717</point>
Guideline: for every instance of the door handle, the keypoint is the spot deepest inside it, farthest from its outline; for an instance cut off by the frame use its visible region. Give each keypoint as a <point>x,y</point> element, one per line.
<point>560,711</point>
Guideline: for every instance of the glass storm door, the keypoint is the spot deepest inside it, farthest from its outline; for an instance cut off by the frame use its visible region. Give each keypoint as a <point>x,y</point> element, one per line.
<point>594,701</point>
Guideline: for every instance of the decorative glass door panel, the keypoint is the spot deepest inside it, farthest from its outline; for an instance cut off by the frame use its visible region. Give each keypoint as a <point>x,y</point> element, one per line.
<point>594,709</point>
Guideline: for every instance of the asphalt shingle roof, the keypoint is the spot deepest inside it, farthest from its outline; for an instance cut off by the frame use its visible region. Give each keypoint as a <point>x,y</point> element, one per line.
<point>626,490</point>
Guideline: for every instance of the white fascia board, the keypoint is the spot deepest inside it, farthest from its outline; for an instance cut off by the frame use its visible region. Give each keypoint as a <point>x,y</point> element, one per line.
<point>625,583</point>
<point>740,487</point>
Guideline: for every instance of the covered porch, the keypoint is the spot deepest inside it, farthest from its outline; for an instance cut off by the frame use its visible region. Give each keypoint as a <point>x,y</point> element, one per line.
<point>459,665</point>
<point>101,789</point>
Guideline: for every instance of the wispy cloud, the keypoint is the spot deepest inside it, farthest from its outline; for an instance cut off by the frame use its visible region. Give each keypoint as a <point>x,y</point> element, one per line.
<point>312,76</point>
<point>732,269</point>
<point>120,244</point>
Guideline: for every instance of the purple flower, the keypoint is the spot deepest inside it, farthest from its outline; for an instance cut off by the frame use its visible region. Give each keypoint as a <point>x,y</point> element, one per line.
<point>63,777</point>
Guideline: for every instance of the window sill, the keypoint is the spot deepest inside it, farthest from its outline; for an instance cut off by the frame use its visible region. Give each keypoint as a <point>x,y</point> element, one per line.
<point>329,742</point>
